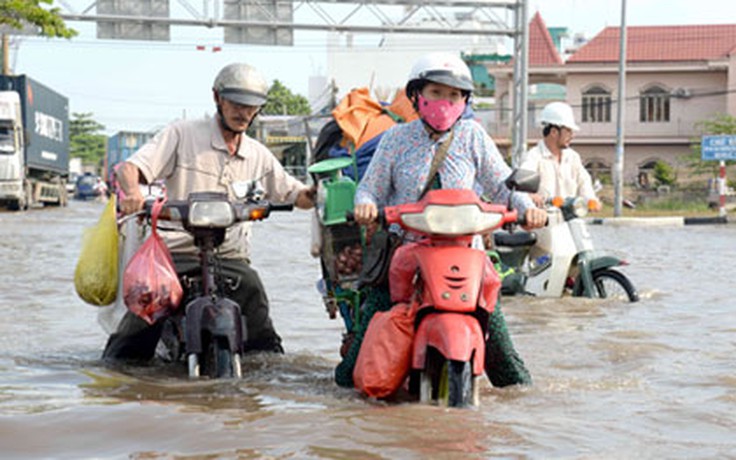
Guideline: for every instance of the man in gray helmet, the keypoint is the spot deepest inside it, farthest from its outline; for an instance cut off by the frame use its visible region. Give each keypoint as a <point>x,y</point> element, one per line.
<point>204,156</point>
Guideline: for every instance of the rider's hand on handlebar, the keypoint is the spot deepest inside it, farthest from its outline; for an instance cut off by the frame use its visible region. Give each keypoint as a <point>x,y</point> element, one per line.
<point>366,213</point>
<point>132,203</point>
<point>535,218</point>
<point>306,198</point>
<point>538,199</point>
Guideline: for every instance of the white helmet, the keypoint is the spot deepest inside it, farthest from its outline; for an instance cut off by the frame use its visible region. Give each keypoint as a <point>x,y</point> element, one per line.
<point>242,84</point>
<point>444,68</point>
<point>558,114</point>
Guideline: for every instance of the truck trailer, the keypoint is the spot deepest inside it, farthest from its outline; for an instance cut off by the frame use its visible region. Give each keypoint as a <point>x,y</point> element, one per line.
<point>34,144</point>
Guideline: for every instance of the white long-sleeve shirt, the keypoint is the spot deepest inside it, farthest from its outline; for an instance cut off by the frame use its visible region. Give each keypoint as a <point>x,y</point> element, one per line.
<point>566,178</point>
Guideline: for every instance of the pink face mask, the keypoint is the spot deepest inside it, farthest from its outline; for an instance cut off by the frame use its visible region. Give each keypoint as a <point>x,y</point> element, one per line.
<point>440,114</point>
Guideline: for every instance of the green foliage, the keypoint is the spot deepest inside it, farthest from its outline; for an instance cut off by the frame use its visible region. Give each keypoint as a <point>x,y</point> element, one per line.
<point>605,178</point>
<point>85,139</point>
<point>671,205</point>
<point>20,13</point>
<point>664,174</point>
<point>720,124</point>
<point>281,101</point>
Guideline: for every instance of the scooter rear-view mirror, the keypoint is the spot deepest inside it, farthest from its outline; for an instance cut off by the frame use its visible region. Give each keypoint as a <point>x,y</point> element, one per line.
<point>523,180</point>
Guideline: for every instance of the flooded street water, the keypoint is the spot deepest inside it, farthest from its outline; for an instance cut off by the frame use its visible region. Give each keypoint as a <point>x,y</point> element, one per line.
<point>611,380</point>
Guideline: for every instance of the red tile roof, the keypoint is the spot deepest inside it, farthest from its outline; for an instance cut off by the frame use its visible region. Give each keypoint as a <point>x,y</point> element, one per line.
<point>542,50</point>
<point>661,43</point>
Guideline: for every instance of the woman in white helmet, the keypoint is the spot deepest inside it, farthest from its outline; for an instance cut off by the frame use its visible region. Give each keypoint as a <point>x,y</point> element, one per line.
<point>560,168</point>
<point>211,155</point>
<point>439,86</point>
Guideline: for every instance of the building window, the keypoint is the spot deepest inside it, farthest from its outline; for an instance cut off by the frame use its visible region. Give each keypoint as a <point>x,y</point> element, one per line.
<point>503,108</point>
<point>596,105</point>
<point>654,105</point>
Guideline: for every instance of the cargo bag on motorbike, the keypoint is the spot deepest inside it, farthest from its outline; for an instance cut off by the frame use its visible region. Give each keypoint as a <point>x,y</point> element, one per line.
<point>96,274</point>
<point>377,259</point>
<point>151,287</point>
<point>385,355</point>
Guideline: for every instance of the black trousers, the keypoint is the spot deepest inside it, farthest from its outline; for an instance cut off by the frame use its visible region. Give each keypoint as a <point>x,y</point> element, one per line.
<point>136,340</point>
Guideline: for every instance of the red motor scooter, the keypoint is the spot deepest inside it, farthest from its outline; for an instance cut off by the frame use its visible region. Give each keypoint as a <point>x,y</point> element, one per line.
<point>448,349</point>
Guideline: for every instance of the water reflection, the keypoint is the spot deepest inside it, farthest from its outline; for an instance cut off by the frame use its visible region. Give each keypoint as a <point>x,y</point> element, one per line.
<point>611,379</point>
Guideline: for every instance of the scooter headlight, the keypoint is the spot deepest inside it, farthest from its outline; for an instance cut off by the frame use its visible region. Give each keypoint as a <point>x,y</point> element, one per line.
<point>452,220</point>
<point>572,207</point>
<point>578,207</point>
<point>211,214</point>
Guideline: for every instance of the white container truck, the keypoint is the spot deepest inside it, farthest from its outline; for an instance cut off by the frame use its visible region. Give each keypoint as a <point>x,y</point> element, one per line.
<point>34,144</point>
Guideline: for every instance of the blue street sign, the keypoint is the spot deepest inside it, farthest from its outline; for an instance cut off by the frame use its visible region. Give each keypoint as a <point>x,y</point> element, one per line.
<point>721,147</point>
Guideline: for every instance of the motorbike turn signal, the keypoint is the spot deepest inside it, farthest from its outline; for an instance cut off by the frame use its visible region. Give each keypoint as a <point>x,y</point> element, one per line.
<point>257,213</point>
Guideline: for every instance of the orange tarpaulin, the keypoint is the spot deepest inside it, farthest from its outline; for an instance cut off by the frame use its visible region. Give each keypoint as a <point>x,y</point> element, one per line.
<point>361,118</point>
<point>403,107</point>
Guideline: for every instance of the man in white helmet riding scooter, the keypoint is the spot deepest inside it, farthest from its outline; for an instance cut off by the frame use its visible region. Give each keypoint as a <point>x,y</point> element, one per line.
<point>560,168</point>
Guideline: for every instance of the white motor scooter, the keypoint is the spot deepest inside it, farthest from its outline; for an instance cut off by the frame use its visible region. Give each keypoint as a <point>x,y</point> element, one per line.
<point>559,259</point>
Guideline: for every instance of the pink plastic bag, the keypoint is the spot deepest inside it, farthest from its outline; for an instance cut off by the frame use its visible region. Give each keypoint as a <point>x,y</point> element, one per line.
<point>151,287</point>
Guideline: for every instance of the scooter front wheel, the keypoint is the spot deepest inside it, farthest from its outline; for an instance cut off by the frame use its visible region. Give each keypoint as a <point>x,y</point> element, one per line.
<point>193,365</point>
<point>612,284</point>
<point>448,382</point>
<point>219,361</point>
<point>194,369</point>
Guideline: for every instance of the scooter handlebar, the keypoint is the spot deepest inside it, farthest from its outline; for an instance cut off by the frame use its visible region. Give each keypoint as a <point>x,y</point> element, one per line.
<point>171,210</point>
<point>179,210</point>
<point>282,207</point>
<point>521,221</point>
<point>381,218</point>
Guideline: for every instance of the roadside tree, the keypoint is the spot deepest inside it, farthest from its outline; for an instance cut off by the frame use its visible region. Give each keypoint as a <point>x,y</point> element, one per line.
<point>19,14</point>
<point>664,174</point>
<point>281,101</point>
<point>720,124</point>
<point>86,140</point>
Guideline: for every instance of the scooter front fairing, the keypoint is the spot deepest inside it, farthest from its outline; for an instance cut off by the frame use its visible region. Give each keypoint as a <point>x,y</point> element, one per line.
<point>220,319</point>
<point>452,277</point>
<point>453,288</point>
<point>556,244</point>
<point>457,336</point>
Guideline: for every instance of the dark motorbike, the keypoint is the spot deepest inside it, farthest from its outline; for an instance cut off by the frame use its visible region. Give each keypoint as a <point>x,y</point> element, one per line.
<point>210,330</point>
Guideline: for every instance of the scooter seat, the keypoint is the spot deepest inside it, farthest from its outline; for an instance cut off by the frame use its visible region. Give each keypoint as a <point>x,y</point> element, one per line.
<point>514,240</point>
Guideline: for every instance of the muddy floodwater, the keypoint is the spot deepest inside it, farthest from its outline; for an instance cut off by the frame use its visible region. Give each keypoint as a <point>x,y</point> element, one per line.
<point>654,379</point>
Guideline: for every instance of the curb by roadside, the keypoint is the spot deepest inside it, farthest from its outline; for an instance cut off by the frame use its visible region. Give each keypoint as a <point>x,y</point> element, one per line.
<point>674,221</point>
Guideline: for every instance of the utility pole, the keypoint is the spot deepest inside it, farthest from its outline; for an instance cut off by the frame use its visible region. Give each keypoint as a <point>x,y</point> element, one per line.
<point>618,173</point>
<point>333,95</point>
<point>6,55</point>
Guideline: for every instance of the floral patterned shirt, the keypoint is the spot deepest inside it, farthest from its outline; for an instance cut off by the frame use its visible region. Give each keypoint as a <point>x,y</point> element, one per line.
<point>399,168</point>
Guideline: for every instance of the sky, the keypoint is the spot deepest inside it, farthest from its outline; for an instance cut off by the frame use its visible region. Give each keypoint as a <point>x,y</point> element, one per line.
<point>142,86</point>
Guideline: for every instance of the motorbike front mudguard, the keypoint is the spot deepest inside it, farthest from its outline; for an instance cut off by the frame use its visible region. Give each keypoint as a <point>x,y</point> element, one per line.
<point>587,264</point>
<point>458,337</point>
<point>219,319</point>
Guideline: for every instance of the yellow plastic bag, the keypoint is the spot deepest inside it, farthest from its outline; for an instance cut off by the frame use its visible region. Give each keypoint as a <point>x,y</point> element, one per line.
<point>96,275</point>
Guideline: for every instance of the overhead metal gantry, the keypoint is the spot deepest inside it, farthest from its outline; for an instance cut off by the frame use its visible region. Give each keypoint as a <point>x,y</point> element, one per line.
<point>272,22</point>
